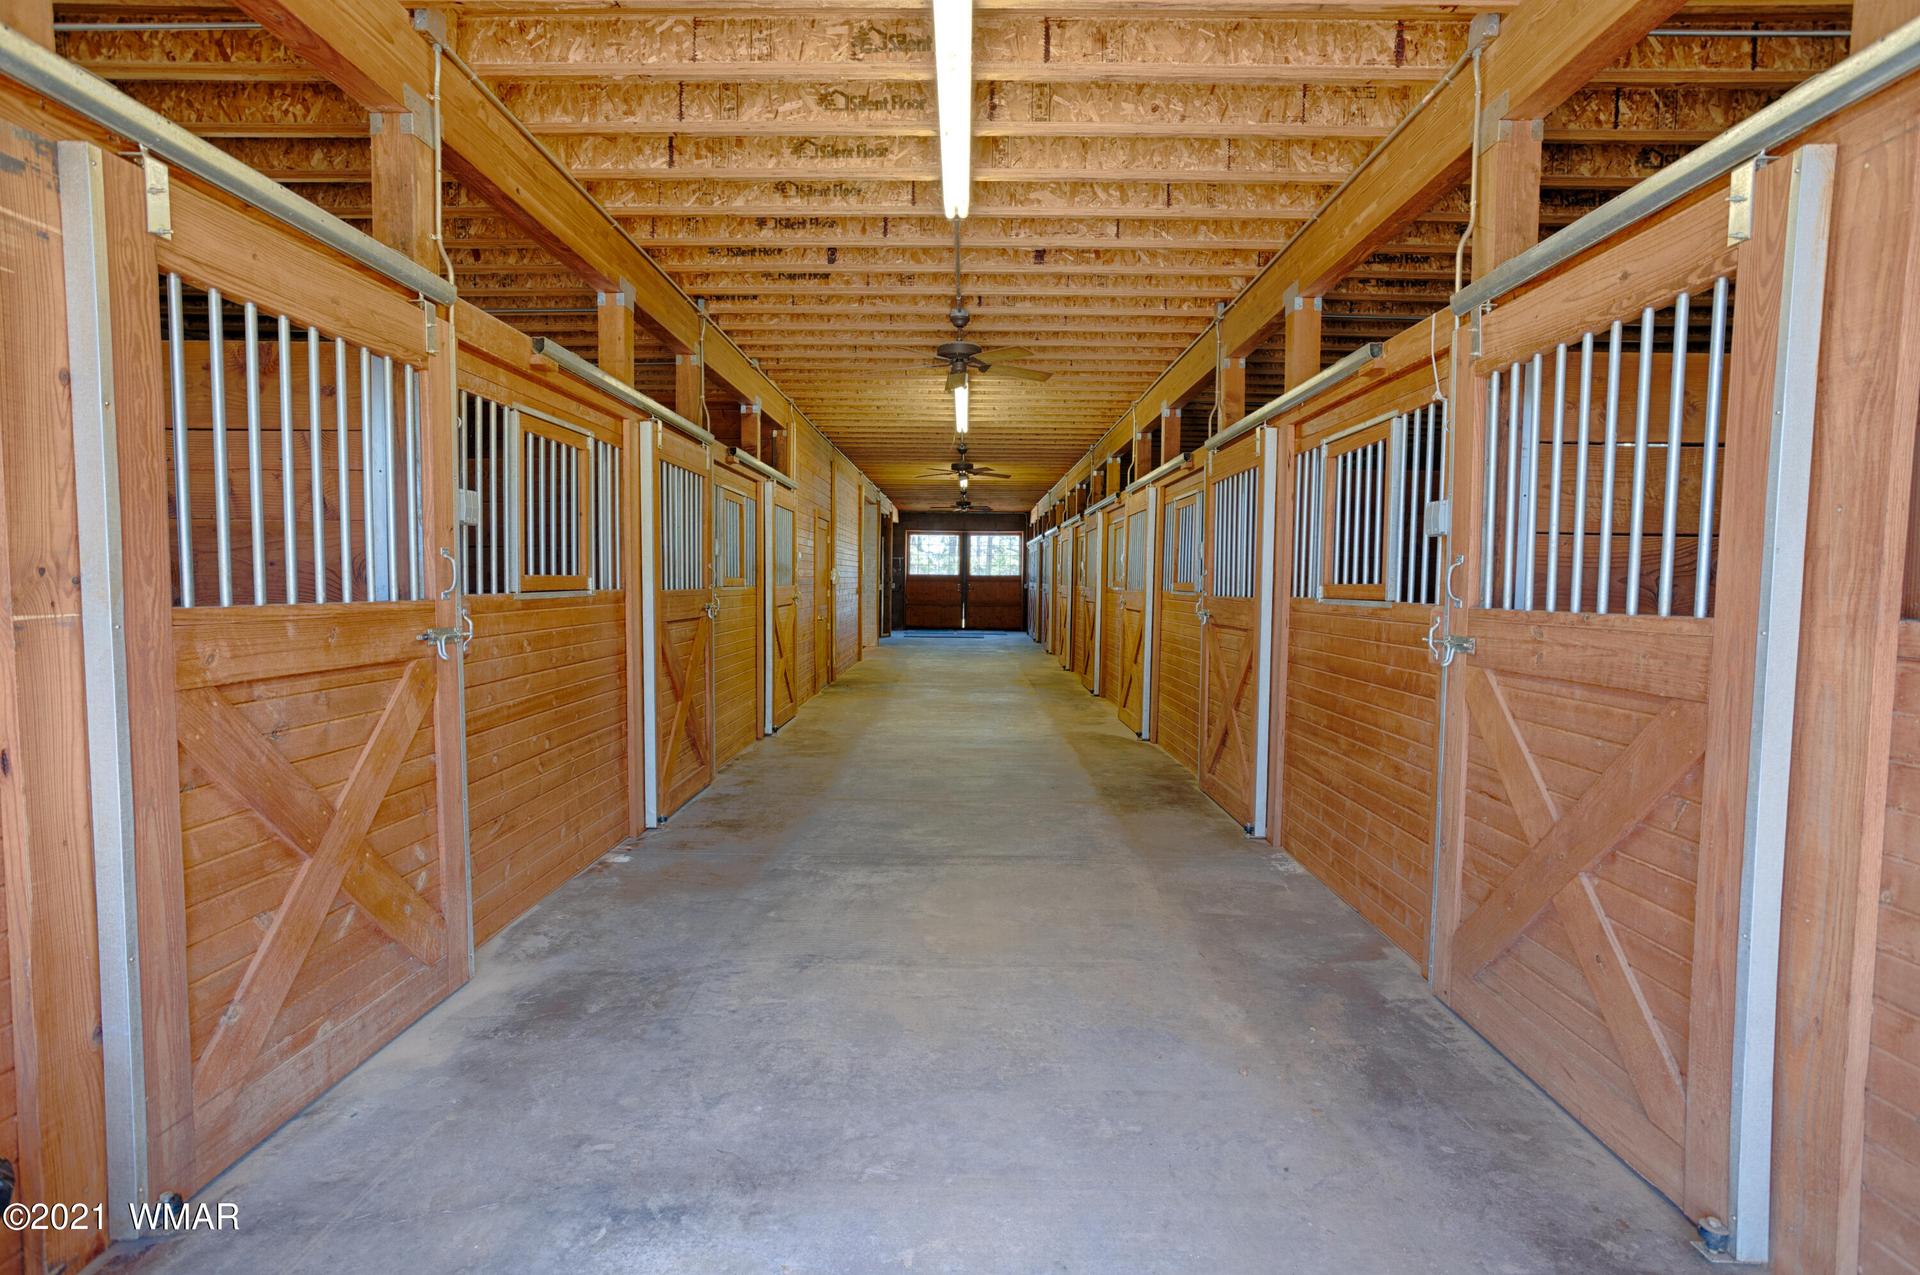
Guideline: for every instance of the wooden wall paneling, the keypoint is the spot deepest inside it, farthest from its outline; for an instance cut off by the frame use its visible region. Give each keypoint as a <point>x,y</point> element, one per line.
<point>1113,533</point>
<point>1869,378</point>
<point>787,659</point>
<point>869,573</point>
<point>404,197</point>
<point>1890,1170</point>
<point>45,826</point>
<point>615,354</point>
<point>1176,676</point>
<point>547,744</point>
<point>1230,651</point>
<point>684,681</point>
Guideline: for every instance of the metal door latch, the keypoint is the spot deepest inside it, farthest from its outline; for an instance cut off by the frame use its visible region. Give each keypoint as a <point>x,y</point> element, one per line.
<point>461,633</point>
<point>1444,647</point>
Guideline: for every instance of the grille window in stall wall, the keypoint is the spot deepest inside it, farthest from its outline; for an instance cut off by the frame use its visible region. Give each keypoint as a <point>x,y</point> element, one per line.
<point>1234,534</point>
<point>1602,465</point>
<point>568,485</point>
<point>1183,545</point>
<point>682,527</point>
<point>296,459</point>
<point>1360,502</point>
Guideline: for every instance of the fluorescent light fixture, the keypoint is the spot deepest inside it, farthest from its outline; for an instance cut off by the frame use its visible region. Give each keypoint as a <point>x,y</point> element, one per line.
<point>963,482</point>
<point>953,70</point>
<point>960,408</point>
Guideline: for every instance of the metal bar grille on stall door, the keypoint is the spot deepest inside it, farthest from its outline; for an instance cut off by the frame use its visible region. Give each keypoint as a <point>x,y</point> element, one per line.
<point>1651,441</point>
<point>483,438</point>
<point>1234,551</point>
<point>682,527</point>
<point>550,542</point>
<point>1357,536</point>
<point>229,365</point>
<point>606,516</point>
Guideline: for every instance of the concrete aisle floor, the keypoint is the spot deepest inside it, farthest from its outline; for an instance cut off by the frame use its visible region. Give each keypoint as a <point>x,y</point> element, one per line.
<point>951,975</point>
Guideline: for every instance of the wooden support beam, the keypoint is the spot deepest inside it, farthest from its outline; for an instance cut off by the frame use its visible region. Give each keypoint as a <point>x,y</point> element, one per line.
<point>371,51</point>
<point>615,321</point>
<point>1545,52</point>
<point>1508,218</point>
<point>1875,18</point>
<point>1169,434</point>
<point>690,388</point>
<point>750,430</point>
<point>1302,357</point>
<point>31,18</point>
<point>404,198</point>
<point>1233,392</point>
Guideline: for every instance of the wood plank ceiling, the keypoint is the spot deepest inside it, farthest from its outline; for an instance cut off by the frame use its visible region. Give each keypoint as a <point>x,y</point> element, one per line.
<point>1135,163</point>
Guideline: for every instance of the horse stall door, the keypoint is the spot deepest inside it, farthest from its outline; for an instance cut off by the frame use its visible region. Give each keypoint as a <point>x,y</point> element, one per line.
<point>1597,738</point>
<point>786,611</point>
<point>1176,672</point>
<point>1113,579</point>
<point>685,608</point>
<point>1086,602</point>
<point>1130,664</point>
<point>1233,633</point>
<point>822,600</point>
<point>737,623</point>
<point>316,900</point>
<point>1066,563</point>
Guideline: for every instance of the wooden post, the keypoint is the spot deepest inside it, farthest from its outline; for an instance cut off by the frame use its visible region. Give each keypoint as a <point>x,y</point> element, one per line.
<point>690,388</point>
<point>1302,357</point>
<point>1143,449</point>
<point>404,199</point>
<point>31,18</point>
<point>45,821</point>
<point>1508,218</point>
<point>1169,433</point>
<point>750,429</point>
<point>1233,393</point>
<point>1869,398</point>
<point>1873,19</point>
<point>616,335</point>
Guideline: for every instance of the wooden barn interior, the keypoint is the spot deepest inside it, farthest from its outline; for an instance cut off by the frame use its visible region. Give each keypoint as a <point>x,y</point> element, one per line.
<point>968,635</point>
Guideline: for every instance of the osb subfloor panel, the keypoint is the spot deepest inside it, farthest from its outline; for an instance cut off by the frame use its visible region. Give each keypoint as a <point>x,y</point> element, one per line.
<point>952,975</point>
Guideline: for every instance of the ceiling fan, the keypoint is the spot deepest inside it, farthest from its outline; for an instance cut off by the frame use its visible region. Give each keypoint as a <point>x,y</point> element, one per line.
<point>965,506</point>
<point>958,359</point>
<point>963,468</point>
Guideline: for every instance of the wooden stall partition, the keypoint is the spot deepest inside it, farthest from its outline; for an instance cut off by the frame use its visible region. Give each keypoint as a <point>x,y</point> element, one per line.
<point>550,721</point>
<point>1360,701</point>
<point>786,606</point>
<point>737,622</point>
<point>317,898</point>
<point>1176,643</point>
<point>684,612</point>
<point>1065,565</point>
<point>1235,636</point>
<point>1598,737</point>
<point>1113,582</point>
<point>1030,565</point>
<point>870,561</point>
<point>846,565</point>
<point>813,561</point>
<point>1086,601</point>
<point>1130,622</point>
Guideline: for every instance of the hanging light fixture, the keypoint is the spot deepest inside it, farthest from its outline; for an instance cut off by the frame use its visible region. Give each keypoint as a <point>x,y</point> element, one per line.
<point>963,484</point>
<point>953,71</point>
<point>960,392</point>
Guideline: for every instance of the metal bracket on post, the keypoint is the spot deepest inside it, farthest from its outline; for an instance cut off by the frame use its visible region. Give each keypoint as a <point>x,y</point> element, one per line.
<point>1740,198</point>
<point>430,320</point>
<point>159,195</point>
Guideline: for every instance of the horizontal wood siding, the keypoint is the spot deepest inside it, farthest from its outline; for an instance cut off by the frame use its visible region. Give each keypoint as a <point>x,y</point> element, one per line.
<point>546,745</point>
<point>1357,797</point>
<point>1890,1195</point>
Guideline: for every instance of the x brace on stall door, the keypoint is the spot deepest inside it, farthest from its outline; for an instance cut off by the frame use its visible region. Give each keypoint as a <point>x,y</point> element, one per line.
<point>1231,719</point>
<point>682,701</point>
<point>331,838</point>
<point>1561,848</point>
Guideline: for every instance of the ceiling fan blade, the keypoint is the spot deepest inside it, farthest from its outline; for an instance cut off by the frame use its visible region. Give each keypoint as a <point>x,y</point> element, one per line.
<point>984,472</point>
<point>955,380</point>
<point>1018,373</point>
<point>1004,354</point>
